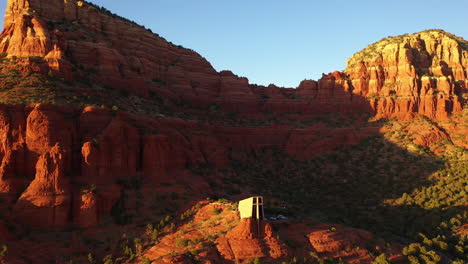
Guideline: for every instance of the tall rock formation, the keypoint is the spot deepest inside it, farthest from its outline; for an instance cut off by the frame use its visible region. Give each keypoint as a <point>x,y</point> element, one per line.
<point>423,73</point>
<point>53,157</point>
<point>49,150</point>
<point>251,239</point>
<point>77,39</point>
<point>47,200</point>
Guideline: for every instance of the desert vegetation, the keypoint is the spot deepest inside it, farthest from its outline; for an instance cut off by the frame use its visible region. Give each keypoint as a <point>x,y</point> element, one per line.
<point>376,185</point>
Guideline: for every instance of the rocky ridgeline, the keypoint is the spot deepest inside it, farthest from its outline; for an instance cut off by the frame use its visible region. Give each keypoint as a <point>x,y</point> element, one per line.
<point>399,77</point>
<point>60,165</point>
<point>422,73</point>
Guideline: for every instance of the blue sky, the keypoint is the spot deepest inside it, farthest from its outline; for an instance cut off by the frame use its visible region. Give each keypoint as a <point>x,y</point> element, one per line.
<point>284,42</point>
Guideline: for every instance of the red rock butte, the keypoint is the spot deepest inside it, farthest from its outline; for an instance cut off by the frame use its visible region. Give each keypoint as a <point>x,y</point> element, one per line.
<point>423,73</point>
<point>54,156</point>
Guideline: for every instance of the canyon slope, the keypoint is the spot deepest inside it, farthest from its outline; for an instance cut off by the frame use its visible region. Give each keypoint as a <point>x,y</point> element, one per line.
<point>423,73</point>
<point>109,133</point>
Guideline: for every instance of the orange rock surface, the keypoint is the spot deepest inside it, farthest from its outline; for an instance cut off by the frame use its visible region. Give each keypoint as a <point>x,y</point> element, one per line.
<point>63,146</point>
<point>243,240</point>
<point>423,73</point>
<point>47,200</point>
<point>251,239</point>
<point>75,166</point>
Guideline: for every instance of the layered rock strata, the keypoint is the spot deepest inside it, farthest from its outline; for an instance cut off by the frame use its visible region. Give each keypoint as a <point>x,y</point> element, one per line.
<point>424,73</point>
<point>48,151</point>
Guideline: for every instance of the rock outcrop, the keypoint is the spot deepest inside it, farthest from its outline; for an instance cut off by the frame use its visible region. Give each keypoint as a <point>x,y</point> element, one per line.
<point>47,151</point>
<point>55,153</point>
<point>51,155</point>
<point>423,73</point>
<point>251,239</point>
<point>76,38</point>
<point>88,209</point>
<point>76,164</point>
<point>245,240</point>
<point>47,200</point>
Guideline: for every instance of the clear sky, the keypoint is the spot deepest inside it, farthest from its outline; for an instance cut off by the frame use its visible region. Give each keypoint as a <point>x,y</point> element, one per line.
<point>284,42</point>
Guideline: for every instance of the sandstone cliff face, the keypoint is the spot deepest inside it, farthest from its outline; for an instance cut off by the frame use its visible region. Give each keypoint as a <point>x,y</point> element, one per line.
<point>48,152</point>
<point>76,35</point>
<point>47,200</point>
<point>58,154</point>
<point>61,165</point>
<point>423,73</point>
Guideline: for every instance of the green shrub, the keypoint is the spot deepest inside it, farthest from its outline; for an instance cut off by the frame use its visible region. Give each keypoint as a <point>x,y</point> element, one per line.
<point>182,242</point>
<point>217,211</point>
<point>108,259</point>
<point>3,250</point>
<point>381,259</point>
<point>90,258</point>
<point>127,251</point>
<point>145,260</point>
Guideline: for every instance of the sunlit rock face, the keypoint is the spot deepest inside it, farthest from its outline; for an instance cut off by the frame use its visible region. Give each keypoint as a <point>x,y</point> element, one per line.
<point>423,73</point>
<point>54,157</point>
<point>399,77</point>
<point>71,164</point>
